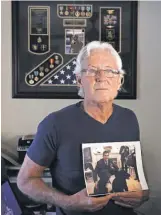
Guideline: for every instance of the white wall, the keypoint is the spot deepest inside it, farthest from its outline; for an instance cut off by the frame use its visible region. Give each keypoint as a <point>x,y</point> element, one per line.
<point>21,116</point>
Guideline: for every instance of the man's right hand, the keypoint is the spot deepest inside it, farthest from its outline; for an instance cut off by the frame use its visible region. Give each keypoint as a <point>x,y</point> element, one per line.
<point>82,202</point>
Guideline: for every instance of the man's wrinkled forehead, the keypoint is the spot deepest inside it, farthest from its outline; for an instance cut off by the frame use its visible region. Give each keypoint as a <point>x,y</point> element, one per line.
<point>100,59</point>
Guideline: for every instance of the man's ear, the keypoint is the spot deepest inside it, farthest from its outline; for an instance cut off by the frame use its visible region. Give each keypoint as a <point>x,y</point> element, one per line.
<point>120,82</point>
<point>78,81</point>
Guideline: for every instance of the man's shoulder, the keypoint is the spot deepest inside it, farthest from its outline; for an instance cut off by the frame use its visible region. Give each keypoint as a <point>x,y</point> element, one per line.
<point>127,121</point>
<point>123,111</point>
<point>100,161</point>
<point>68,109</point>
<point>55,116</point>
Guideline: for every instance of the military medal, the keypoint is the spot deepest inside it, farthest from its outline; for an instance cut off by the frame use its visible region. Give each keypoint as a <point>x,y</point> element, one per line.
<point>39,30</point>
<point>41,74</point>
<point>66,12</point>
<point>56,59</point>
<point>36,73</point>
<point>82,13</point>
<point>36,78</point>
<point>31,81</point>
<point>35,47</point>
<point>88,8</point>
<point>61,10</point>
<point>51,63</point>
<point>41,68</point>
<point>39,40</point>
<point>110,34</point>
<point>82,8</point>
<point>110,11</point>
<point>31,76</point>
<point>46,69</point>
<point>71,10</point>
<point>72,13</point>
<point>77,14</point>
<point>88,14</point>
<point>43,47</point>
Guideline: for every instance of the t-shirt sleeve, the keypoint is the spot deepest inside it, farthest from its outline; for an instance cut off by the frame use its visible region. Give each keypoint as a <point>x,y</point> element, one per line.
<point>43,148</point>
<point>135,126</point>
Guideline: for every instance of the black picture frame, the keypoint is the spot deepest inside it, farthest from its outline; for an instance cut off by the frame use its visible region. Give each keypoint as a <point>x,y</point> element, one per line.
<point>23,61</point>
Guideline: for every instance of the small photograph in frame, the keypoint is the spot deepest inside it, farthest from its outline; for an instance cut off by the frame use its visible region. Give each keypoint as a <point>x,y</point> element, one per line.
<point>74,40</point>
<point>38,20</point>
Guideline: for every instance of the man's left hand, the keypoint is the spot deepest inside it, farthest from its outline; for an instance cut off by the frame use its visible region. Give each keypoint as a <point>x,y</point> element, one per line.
<point>131,199</point>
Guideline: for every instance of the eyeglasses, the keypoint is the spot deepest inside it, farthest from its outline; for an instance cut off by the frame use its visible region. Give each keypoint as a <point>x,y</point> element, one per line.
<point>91,72</point>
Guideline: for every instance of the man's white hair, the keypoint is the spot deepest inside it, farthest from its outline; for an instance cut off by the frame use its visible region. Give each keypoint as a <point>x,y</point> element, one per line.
<point>85,53</point>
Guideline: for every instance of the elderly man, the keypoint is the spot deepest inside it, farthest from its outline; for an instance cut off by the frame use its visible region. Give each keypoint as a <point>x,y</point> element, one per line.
<point>57,144</point>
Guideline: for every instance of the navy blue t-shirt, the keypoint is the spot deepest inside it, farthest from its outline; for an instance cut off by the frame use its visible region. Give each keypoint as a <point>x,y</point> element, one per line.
<point>58,145</point>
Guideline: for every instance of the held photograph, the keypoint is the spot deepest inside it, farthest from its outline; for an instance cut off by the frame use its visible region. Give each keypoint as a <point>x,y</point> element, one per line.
<point>113,167</point>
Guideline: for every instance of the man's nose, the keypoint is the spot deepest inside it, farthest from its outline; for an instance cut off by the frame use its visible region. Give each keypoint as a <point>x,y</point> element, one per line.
<point>101,75</point>
<point>101,72</point>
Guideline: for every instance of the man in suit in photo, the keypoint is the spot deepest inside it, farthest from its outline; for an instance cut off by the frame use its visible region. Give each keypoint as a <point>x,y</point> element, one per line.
<point>104,169</point>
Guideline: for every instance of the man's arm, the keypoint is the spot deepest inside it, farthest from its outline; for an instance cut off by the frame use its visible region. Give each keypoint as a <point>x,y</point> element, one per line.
<point>131,199</point>
<point>30,183</point>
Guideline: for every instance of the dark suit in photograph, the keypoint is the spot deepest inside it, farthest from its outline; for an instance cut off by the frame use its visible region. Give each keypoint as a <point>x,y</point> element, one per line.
<point>104,170</point>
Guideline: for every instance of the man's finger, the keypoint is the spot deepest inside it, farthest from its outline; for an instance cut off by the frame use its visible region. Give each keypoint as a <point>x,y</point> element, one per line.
<point>126,199</point>
<point>103,198</point>
<point>133,194</point>
<point>123,204</point>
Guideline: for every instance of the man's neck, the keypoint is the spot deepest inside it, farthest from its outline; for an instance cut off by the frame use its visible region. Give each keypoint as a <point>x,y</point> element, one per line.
<point>99,111</point>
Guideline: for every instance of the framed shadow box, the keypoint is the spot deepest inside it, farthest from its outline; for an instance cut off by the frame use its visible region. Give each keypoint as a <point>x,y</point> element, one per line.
<point>48,35</point>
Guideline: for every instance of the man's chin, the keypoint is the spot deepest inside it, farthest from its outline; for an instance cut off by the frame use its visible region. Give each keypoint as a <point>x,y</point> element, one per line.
<point>104,100</point>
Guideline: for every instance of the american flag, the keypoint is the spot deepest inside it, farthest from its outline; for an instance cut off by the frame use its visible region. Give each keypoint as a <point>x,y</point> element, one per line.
<point>65,76</point>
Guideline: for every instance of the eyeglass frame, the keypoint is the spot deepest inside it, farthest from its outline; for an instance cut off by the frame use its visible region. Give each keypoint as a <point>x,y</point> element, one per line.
<point>114,73</point>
